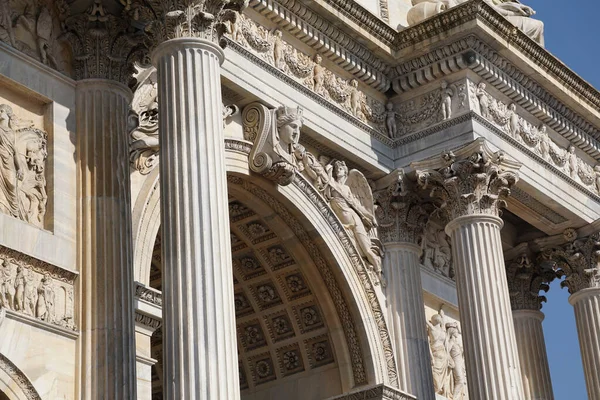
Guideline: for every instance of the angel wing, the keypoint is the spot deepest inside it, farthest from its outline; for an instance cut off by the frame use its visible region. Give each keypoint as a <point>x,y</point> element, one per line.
<point>359,186</point>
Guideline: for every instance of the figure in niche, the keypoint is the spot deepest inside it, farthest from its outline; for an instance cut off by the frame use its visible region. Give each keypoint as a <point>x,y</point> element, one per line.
<point>351,199</point>
<point>22,164</point>
<point>572,162</point>
<point>440,361</point>
<point>447,94</point>
<point>318,75</point>
<point>457,361</point>
<point>6,285</point>
<point>45,301</point>
<point>390,120</point>
<point>278,49</point>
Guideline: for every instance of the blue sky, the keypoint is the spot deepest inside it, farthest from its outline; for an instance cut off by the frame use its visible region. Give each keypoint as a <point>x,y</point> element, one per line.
<point>572,34</point>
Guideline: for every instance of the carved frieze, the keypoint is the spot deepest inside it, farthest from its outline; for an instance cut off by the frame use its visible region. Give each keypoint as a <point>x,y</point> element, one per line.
<point>34,288</point>
<point>447,357</point>
<point>270,46</point>
<point>34,28</point>
<point>475,182</point>
<point>578,260</point>
<point>23,152</point>
<point>535,137</point>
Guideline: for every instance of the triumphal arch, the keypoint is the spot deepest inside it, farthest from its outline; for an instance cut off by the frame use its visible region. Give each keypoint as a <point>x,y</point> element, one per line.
<point>290,199</point>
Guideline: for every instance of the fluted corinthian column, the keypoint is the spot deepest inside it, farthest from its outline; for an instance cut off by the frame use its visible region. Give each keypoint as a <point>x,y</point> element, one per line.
<point>471,185</point>
<point>199,333</point>
<point>579,261</point>
<point>107,341</point>
<point>525,281</point>
<point>401,221</point>
<point>107,361</point>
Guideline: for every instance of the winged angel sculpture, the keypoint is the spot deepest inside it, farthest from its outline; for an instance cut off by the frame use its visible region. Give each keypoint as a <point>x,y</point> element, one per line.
<point>278,156</point>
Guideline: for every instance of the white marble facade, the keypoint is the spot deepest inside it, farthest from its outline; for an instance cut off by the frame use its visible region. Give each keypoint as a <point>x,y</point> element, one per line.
<point>264,200</point>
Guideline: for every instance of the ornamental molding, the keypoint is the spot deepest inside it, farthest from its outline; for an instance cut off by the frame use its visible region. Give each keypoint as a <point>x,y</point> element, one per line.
<point>321,35</point>
<point>357,261</point>
<point>471,180</point>
<point>378,392</point>
<point>17,376</point>
<point>148,294</point>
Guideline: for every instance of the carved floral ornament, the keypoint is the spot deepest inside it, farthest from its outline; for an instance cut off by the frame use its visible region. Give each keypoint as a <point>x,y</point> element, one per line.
<point>471,180</point>
<point>526,280</point>
<point>578,260</point>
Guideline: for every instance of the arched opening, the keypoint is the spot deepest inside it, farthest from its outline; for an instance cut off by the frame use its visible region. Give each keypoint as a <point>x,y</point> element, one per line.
<point>3,396</point>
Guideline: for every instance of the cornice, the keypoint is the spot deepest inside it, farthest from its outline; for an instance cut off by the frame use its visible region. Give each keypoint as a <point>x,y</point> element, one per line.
<point>324,37</point>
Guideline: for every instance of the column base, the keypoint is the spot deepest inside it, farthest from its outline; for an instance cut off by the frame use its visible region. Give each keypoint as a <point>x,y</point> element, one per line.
<point>375,392</point>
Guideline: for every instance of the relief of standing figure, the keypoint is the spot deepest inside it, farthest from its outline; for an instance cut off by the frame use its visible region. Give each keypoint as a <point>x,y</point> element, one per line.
<point>440,362</point>
<point>45,302</point>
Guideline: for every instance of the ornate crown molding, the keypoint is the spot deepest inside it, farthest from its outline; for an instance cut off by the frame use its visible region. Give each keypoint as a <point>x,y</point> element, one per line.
<point>471,180</point>
<point>578,260</point>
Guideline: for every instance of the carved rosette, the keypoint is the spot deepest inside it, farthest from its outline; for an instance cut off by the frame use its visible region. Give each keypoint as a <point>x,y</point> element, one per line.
<point>104,45</point>
<point>525,281</point>
<point>203,19</point>
<point>579,261</point>
<point>400,211</point>
<point>472,181</point>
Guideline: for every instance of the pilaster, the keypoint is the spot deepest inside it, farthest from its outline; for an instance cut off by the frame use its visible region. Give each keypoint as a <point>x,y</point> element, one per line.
<point>471,185</point>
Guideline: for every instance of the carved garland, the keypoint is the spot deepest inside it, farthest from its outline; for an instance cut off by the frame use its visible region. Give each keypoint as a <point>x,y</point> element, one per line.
<point>19,377</point>
<point>316,198</point>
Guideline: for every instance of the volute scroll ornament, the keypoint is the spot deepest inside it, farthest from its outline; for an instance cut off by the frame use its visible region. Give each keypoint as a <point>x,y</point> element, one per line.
<point>472,180</point>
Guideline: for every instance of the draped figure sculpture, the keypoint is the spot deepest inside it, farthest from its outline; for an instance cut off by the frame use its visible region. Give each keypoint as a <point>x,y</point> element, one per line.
<point>440,362</point>
<point>518,14</point>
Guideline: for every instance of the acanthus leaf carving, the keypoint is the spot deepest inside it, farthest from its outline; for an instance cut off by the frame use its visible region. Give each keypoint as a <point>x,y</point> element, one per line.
<point>525,282</point>
<point>475,182</point>
<point>578,260</point>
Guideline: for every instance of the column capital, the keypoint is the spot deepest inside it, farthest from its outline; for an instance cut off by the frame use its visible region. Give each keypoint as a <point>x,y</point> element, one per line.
<point>105,45</point>
<point>471,180</point>
<point>578,260</point>
<point>202,19</point>
<point>401,212</point>
<point>525,281</point>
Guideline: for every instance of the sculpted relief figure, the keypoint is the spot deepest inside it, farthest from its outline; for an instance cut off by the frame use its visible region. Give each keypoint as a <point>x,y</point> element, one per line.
<point>437,253</point>
<point>518,14</point>
<point>277,155</point>
<point>447,357</point>
<point>7,291</point>
<point>22,169</point>
<point>45,302</point>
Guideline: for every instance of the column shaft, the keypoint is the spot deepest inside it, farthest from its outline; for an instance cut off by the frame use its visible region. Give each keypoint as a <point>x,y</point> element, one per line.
<point>531,345</point>
<point>407,319</point>
<point>199,343</point>
<point>493,370</point>
<point>586,303</point>
<point>107,343</point>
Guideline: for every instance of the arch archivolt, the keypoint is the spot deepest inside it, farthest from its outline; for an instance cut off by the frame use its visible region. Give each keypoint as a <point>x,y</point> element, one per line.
<point>14,383</point>
<point>339,278</point>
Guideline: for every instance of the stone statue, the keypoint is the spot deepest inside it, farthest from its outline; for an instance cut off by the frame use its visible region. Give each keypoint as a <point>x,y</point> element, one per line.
<point>22,166</point>
<point>457,361</point>
<point>355,98</point>
<point>544,142</point>
<point>20,289</point>
<point>440,361</point>
<point>30,294</point>
<point>351,199</point>
<point>520,16</point>
<point>289,122</point>
<point>45,301</point>
<point>447,94</point>
<point>278,49</point>
<point>513,121</point>
<point>484,101</point>
<point>572,162</point>
<point>437,253</point>
<point>390,120</point>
